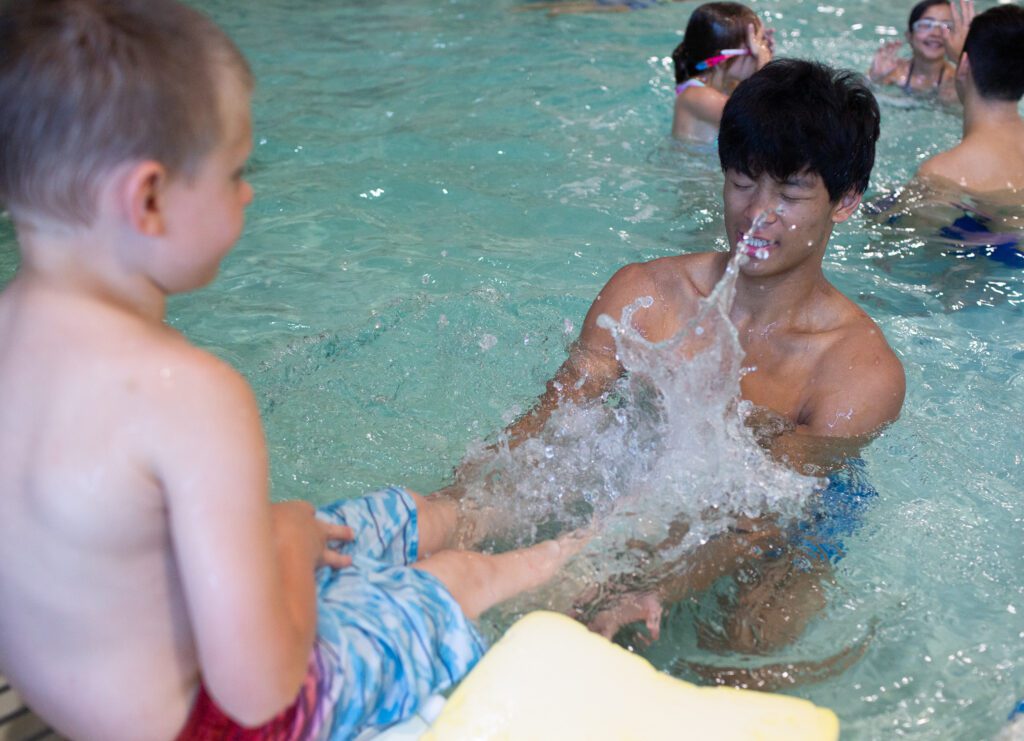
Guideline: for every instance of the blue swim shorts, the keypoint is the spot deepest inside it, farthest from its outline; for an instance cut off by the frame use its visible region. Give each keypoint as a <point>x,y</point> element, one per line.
<point>388,636</point>
<point>1004,248</point>
<point>836,513</point>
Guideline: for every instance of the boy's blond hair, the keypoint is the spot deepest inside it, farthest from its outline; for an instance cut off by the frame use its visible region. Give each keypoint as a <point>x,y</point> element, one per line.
<point>87,85</point>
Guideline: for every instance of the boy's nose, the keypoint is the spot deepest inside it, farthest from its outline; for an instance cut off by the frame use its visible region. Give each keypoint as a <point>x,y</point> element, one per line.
<point>764,205</point>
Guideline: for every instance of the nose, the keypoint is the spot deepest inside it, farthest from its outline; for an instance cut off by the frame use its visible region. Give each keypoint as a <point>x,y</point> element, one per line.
<point>763,205</point>
<point>247,193</point>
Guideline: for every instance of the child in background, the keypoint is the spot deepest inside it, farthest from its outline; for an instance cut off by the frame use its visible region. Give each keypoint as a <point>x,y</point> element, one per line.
<point>927,71</point>
<point>724,44</point>
<point>148,587</point>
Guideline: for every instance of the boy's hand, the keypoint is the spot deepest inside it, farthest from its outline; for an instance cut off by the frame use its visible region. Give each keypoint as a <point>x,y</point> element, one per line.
<point>885,61</point>
<point>953,40</point>
<point>334,534</point>
<point>296,526</point>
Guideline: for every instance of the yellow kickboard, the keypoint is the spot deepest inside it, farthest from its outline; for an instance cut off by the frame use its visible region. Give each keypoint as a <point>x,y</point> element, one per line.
<point>551,678</point>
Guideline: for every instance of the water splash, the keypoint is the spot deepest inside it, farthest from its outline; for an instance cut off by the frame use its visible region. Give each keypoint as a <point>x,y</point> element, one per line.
<point>659,466</point>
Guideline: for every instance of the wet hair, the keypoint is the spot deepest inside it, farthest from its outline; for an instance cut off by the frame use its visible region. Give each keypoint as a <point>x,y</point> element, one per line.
<point>995,48</point>
<point>711,28</point>
<point>795,116</point>
<point>918,10</point>
<point>88,85</point>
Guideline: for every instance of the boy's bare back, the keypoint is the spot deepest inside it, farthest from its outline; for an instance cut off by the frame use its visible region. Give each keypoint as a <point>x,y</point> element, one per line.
<point>88,390</point>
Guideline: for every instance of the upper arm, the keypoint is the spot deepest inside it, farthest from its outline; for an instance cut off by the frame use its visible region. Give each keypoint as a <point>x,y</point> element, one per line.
<point>594,356</point>
<point>862,389</point>
<point>211,461</point>
<point>704,103</point>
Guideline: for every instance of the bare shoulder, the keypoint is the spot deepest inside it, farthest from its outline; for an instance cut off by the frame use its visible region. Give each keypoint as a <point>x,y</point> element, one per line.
<point>860,380</point>
<point>188,379</point>
<point>942,169</point>
<point>664,289</point>
<point>667,281</point>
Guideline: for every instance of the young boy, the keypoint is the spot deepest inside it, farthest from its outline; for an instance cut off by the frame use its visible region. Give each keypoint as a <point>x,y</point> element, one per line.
<point>796,144</point>
<point>148,588</point>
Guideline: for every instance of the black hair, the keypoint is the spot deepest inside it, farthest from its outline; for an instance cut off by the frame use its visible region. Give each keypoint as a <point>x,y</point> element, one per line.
<point>995,48</point>
<point>918,10</point>
<point>795,116</point>
<point>711,28</point>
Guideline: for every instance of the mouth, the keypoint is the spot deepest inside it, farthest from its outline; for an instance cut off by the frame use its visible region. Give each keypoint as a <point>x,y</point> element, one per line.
<point>755,247</point>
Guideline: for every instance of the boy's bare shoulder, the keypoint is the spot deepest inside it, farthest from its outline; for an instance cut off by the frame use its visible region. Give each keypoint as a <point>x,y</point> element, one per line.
<point>975,167</point>
<point>861,371</point>
<point>692,274</point>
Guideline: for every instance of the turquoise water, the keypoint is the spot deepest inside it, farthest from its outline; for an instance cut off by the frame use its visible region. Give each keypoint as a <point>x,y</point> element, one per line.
<point>441,190</point>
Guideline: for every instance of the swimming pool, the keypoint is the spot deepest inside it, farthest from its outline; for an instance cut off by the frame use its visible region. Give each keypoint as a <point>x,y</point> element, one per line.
<point>442,188</point>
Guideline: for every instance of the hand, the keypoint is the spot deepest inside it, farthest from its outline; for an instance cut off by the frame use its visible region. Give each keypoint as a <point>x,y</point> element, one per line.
<point>885,61</point>
<point>953,40</point>
<point>295,526</point>
<point>334,534</point>
<point>630,608</point>
<point>760,46</point>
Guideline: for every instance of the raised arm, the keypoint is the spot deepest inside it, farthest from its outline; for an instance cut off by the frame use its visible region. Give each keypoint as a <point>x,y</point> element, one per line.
<point>953,39</point>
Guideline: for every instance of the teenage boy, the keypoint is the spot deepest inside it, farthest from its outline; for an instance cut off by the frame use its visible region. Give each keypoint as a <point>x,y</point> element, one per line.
<point>148,587</point>
<point>796,145</point>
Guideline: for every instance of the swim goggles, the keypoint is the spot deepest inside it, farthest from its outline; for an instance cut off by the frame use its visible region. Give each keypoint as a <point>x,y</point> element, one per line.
<point>924,25</point>
<point>721,57</point>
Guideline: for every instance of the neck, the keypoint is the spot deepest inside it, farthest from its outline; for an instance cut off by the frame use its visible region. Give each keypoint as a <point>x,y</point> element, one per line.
<point>764,300</point>
<point>982,115</point>
<point>930,69</point>
<point>76,263</point>
<point>717,78</point>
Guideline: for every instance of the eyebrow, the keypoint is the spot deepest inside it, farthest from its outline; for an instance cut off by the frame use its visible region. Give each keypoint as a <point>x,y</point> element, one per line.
<point>799,182</point>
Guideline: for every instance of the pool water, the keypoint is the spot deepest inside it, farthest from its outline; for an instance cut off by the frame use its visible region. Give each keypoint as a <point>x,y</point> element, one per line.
<point>441,190</point>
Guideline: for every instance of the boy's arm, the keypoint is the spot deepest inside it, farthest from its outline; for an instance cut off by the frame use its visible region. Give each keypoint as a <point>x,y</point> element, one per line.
<point>861,389</point>
<point>593,365</point>
<point>246,569</point>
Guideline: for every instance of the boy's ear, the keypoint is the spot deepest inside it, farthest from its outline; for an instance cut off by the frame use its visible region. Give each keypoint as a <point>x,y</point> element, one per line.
<point>848,203</point>
<point>144,192</point>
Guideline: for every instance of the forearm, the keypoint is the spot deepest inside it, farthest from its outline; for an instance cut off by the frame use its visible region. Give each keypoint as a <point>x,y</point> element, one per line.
<point>576,382</point>
<point>297,576</point>
<point>722,555</point>
<point>815,455</point>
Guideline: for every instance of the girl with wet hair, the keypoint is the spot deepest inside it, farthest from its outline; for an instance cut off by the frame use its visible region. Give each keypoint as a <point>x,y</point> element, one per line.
<point>724,44</point>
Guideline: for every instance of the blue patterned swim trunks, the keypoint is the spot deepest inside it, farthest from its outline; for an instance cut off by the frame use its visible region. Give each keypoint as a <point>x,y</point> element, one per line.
<point>390,635</point>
